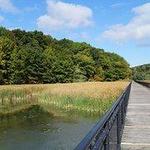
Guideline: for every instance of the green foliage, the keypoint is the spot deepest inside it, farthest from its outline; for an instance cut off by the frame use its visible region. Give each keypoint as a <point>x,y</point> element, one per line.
<point>6,48</point>
<point>141,72</point>
<point>32,57</point>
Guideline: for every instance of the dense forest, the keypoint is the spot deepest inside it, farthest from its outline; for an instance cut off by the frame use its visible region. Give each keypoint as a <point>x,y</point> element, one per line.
<point>141,72</point>
<point>32,57</point>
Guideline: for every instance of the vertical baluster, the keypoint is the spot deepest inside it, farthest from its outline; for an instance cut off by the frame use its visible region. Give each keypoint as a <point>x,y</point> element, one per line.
<point>106,142</point>
<point>119,130</point>
<point>122,113</point>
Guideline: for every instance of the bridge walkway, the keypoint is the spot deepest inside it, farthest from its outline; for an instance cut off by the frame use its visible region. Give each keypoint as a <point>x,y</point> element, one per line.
<point>136,134</point>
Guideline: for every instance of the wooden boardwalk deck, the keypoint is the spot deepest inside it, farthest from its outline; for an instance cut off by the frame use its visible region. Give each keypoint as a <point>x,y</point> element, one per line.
<point>136,134</point>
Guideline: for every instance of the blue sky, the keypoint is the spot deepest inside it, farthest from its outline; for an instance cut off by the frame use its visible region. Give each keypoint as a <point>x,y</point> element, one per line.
<point>117,26</point>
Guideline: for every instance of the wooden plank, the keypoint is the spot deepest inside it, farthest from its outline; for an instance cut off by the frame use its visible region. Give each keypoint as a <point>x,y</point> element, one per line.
<point>136,135</point>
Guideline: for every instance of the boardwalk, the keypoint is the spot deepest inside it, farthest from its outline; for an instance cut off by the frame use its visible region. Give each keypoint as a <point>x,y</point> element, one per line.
<point>136,134</point>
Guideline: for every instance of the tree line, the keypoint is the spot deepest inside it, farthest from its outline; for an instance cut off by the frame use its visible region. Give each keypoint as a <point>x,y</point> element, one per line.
<point>32,57</point>
<point>141,72</point>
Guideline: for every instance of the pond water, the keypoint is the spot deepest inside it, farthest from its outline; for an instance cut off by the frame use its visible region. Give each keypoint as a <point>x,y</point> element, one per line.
<point>36,130</point>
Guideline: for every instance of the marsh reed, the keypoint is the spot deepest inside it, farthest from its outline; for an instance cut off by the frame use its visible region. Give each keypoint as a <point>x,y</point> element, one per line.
<point>87,97</point>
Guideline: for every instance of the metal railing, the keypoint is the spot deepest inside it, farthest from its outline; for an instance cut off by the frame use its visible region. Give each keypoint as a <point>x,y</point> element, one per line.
<point>107,133</point>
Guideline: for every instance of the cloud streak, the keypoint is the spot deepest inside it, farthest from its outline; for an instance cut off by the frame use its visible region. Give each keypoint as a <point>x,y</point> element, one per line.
<point>137,29</point>
<point>117,5</point>
<point>61,15</point>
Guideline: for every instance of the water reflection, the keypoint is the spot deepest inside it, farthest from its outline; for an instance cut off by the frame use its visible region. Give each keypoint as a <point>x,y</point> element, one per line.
<point>39,130</point>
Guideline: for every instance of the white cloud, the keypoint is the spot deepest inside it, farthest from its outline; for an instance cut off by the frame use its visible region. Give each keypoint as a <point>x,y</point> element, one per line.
<point>7,6</point>
<point>1,19</point>
<point>137,29</point>
<point>62,15</point>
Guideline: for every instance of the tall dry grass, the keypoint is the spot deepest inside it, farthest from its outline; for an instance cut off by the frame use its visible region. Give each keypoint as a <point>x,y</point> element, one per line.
<point>87,97</point>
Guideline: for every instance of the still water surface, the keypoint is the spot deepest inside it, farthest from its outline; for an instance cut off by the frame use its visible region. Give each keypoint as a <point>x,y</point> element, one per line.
<point>40,131</point>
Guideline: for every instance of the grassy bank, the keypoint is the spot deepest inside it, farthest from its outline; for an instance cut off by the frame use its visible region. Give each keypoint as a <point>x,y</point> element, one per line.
<point>90,97</point>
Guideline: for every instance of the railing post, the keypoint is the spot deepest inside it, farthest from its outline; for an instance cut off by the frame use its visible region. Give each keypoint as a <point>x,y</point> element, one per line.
<point>122,113</point>
<point>106,142</point>
<point>119,130</point>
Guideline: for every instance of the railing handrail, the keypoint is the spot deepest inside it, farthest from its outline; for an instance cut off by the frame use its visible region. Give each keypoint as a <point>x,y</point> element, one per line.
<point>100,124</point>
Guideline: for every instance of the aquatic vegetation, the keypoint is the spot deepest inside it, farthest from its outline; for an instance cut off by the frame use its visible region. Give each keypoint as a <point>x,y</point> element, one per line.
<point>89,97</point>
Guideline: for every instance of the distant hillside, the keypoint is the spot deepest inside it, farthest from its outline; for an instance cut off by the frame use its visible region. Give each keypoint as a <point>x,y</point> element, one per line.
<point>32,57</point>
<point>141,72</point>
